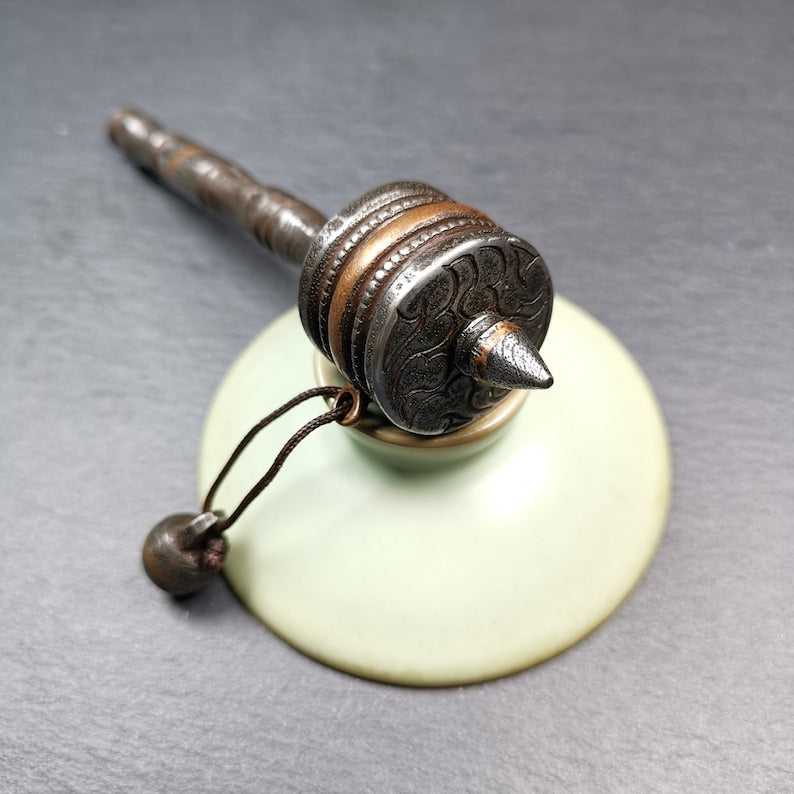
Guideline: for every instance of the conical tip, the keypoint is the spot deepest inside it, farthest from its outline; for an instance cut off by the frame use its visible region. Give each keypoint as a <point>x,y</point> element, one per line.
<point>500,354</point>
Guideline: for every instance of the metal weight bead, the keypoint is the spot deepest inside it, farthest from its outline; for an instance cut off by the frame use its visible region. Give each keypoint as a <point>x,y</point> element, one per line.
<point>426,305</point>
<point>183,552</point>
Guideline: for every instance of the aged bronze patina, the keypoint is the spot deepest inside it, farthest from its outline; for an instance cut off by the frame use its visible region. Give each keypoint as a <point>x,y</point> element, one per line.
<point>426,305</point>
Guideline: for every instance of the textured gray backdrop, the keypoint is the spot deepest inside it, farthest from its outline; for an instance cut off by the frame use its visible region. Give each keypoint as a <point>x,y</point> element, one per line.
<point>646,148</point>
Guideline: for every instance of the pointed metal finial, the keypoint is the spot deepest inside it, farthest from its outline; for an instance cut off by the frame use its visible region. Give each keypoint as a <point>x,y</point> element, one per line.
<point>498,353</point>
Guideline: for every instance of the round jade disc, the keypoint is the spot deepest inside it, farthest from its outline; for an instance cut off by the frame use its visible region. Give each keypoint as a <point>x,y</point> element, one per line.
<point>453,572</point>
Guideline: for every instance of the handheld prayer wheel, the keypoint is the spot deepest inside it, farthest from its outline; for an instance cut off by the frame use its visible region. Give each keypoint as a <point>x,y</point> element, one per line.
<point>426,306</point>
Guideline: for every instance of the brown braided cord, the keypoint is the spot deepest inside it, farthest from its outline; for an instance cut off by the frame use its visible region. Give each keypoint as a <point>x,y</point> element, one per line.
<point>342,406</point>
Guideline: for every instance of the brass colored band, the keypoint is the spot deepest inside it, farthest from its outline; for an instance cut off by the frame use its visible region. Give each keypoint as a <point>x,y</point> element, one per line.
<point>180,155</point>
<point>367,257</point>
<point>486,345</point>
<point>357,224</point>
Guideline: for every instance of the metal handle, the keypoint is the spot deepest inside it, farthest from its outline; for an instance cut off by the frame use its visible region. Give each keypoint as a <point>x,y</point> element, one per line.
<point>277,220</point>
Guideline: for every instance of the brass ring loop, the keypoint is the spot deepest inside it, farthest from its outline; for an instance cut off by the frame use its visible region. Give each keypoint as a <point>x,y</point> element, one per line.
<point>357,407</point>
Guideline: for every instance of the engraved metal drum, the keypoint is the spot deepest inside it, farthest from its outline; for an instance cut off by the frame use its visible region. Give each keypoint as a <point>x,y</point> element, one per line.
<point>394,281</point>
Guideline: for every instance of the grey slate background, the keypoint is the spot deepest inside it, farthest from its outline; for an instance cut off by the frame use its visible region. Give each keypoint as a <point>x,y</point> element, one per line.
<point>646,148</point>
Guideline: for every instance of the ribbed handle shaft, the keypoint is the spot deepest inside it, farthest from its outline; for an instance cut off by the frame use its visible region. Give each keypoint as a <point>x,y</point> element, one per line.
<point>277,220</point>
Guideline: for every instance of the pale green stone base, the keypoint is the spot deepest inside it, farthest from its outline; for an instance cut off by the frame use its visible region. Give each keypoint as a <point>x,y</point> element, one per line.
<point>455,573</point>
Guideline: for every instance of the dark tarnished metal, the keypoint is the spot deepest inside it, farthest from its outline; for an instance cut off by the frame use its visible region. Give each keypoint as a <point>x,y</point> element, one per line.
<point>183,552</point>
<point>277,220</point>
<point>402,290</point>
<point>426,305</point>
